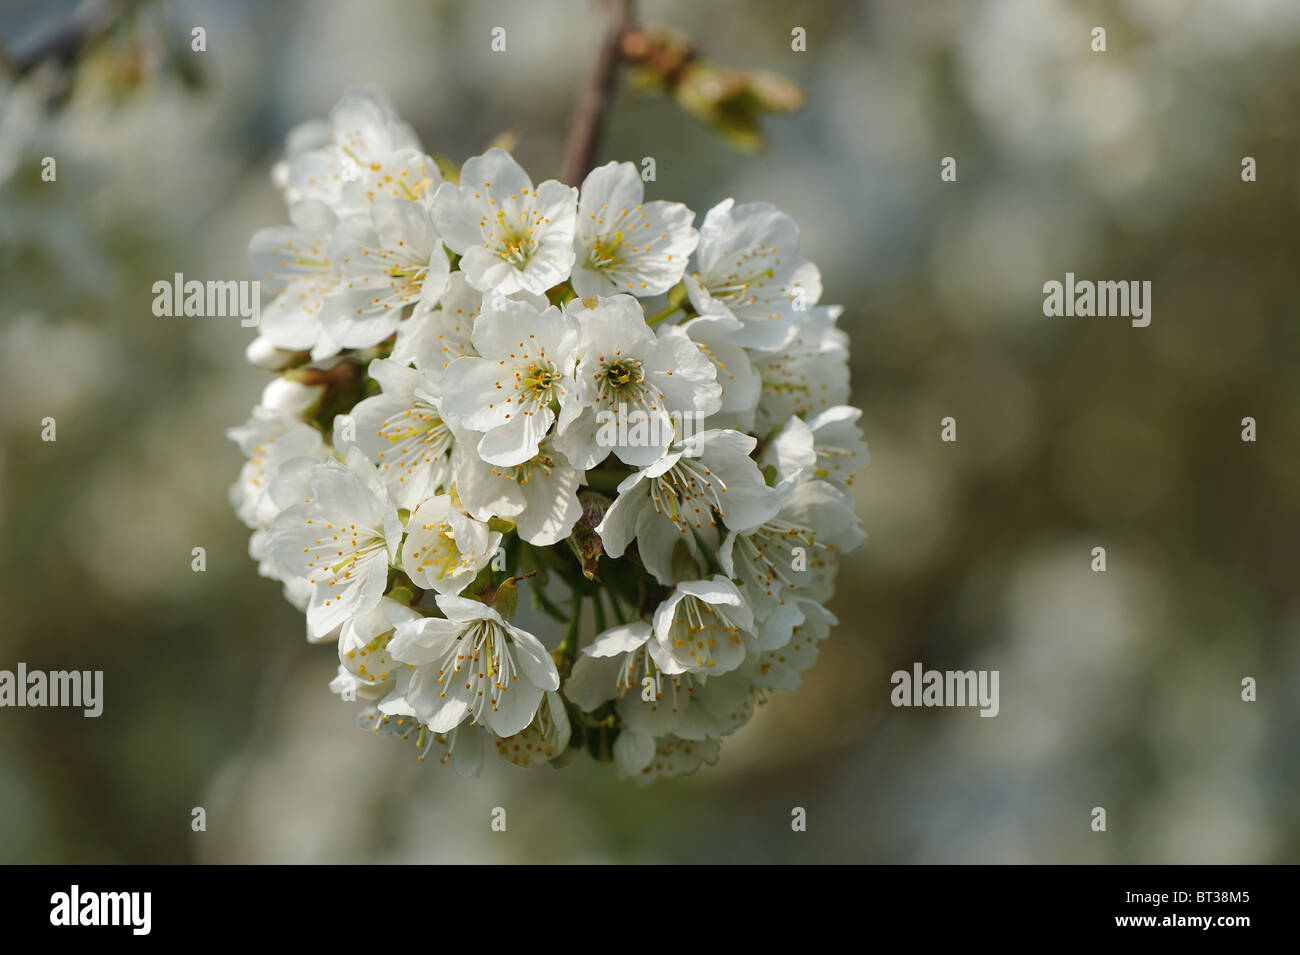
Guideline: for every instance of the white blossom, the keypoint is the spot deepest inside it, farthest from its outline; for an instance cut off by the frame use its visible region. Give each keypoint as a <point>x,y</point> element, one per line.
<point>295,261</point>
<point>389,258</point>
<point>699,626</point>
<point>295,397</point>
<point>705,479</point>
<point>340,539</point>
<point>747,266</point>
<point>268,440</point>
<point>473,666</point>
<point>367,671</point>
<point>436,335</point>
<point>806,375</point>
<point>364,152</point>
<point>735,374</point>
<point>828,447</point>
<point>402,431</point>
<point>543,739</point>
<point>627,664</point>
<point>540,495</point>
<point>445,548</point>
<point>632,383</point>
<point>524,365</point>
<point>793,554</point>
<point>511,236</point>
<point>466,377</point>
<point>624,244</point>
<point>675,757</point>
<point>837,440</point>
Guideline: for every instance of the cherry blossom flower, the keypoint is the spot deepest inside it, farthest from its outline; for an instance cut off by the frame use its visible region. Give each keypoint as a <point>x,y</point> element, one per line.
<point>699,482</point>
<point>806,375</point>
<point>543,739</point>
<point>631,385</point>
<point>624,244</point>
<point>402,431</point>
<point>525,363</point>
<point>734,372</point>
<point>362,153</point>
<point>367,671</point>
<point>387,260</point>
<point>445,548</point>
<point>268,440</point>
<point>792,554</point>
<point>699,626</point>
<point>473,666</point>
<point>627,664</point>
<point>511,236</point>
<point>295,261</point>
<point>828,447</point>
<point>540,495</point>
<point>747,266</point>
<point>341,539</point>
<point>470,403</point>
<point>675,757</point>
<point>436,335</point>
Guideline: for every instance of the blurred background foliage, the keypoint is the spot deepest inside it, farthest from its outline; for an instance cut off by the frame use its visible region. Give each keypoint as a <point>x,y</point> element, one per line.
<point>1119,690</point>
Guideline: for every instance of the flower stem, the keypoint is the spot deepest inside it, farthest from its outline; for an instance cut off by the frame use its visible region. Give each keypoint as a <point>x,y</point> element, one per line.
<point>584,133</point>
<point>545,604</point>
<point>570,645</point>
<point>658,317</point>
<point>614,605</point>
<point>605,480</point>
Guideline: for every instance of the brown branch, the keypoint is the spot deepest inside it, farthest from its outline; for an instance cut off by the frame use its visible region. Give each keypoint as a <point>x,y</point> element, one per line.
<point>87,25</point>
<point>584,132</point>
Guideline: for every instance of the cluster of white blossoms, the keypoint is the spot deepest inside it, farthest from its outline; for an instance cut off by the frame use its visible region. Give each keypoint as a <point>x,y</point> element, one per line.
<point>483,380</point>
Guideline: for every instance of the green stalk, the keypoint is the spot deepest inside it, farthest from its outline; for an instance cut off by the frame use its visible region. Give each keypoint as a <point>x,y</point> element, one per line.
<point>570,645</point>
<point>605,480</point>
<point>658,317</point>
<point>614,605</point>
<point>544,604</point>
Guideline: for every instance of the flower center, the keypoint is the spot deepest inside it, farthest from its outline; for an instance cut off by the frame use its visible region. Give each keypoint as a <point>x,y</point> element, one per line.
<point>375,664</point>
<point>637,667</point>
<point>418,435</point>
<point>538,381</point>
<point>777,536</point>
<point>606,251</point>
<point>521,474</point>
<point>515,245</point>
<point>688,492</point>
<point>481,657</point>
<point>756,266</point>
<point>697,628</point>
<point>441,553</point>
<point>341,549</point>
<point>621,379</point>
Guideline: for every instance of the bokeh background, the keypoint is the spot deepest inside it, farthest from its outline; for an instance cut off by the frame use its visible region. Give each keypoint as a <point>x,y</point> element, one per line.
<point>1120,690</point>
